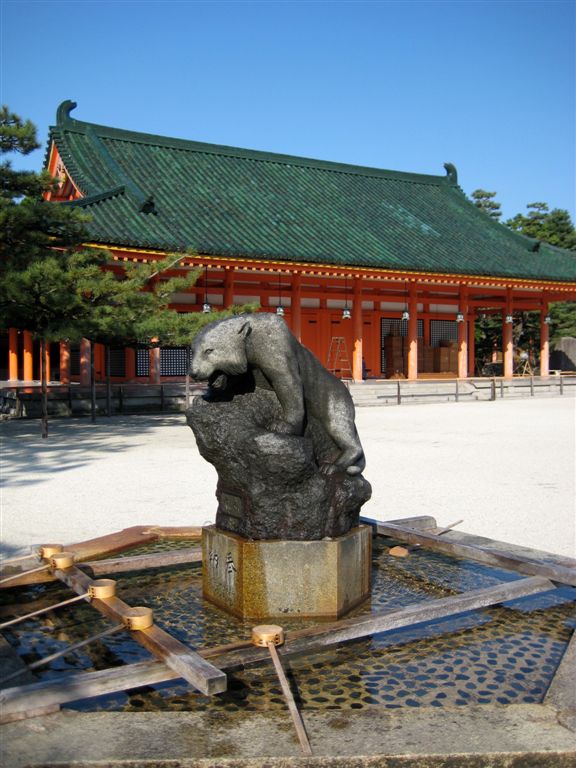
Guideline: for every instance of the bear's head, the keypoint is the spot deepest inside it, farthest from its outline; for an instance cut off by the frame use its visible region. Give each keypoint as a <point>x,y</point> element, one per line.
<point>219,351</point>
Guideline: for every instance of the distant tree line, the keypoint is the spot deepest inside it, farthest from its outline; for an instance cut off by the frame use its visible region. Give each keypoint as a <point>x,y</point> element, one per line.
<point>549,226</point>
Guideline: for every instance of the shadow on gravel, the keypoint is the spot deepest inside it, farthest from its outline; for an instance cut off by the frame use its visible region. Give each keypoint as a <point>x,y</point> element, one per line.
<point>71,444</point>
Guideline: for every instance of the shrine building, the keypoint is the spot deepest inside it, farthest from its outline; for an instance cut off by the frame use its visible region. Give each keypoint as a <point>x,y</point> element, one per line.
<point>376,272</point>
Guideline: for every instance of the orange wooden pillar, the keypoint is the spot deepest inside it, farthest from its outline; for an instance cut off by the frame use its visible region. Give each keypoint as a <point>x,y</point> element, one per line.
<point>507,341</point>
<point>462,334</point>
<point>154,365</point>
<point>13,354</point>
<point>85,363</point>
<point>228,287</point>
<point>357,330</point>
<point>28,372</point>
<point>64,363</point>
<point>295,301</point>
<point>544,341</point>
<point>413,332</point>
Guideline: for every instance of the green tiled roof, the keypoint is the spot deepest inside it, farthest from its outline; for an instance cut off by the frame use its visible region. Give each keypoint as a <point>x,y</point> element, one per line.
<point>152,192</point>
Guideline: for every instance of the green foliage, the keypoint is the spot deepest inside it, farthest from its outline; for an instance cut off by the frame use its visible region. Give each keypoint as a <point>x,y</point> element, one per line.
<point>554,227</point>
<point>486,202</point>
<point>29,225</point>
<point>563,317</point>
<point>16,135</point>
<point>38,269</point>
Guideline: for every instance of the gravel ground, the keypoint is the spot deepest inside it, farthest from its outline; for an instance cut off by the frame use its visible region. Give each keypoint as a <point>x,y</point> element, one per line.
<point>505,467</point>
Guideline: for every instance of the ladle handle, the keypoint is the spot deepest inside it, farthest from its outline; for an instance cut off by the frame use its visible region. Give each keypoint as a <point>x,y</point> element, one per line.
<point>293,709</point>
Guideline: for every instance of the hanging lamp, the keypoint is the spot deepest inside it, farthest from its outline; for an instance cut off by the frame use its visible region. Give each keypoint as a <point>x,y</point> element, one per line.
<point>406,313</point>
<point>346,315</point>
<point>206,306</point>
<point>279,308</point>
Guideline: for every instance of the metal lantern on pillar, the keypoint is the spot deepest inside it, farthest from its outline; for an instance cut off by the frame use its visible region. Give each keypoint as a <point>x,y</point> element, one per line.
<point>406,313</point>
<point>460,317</point>
<point>346,315</point>
<point>206,306</point>
<point>279,308</point>
<point>509,319</point>
<point>547,320</point>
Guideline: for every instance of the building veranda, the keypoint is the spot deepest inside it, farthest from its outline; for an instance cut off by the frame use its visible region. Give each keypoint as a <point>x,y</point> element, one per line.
<point>379,273</point>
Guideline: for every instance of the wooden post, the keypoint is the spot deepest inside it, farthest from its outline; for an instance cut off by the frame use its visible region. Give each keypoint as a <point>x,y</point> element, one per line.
<point>28,373</point>
<point>357,330</point>
<point>544,342</point>
<point>413,333</point>
<point>13,354</point>
<point>296,308</point>
<point>64,363</point>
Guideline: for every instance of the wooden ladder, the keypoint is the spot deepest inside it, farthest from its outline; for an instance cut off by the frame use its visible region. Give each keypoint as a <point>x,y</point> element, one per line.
<point>338,361</point>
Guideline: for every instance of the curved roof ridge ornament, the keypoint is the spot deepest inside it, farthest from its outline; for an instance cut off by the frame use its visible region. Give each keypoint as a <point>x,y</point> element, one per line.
<point>63,112</point>
<point>144,202</point>
<point>451,173</point>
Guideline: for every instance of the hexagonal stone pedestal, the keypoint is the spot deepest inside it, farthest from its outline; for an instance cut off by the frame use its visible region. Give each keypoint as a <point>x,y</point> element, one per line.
<point>266,579</point>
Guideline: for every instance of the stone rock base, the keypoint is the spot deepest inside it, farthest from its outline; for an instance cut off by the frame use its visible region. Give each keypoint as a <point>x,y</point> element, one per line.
<point>271,579</point>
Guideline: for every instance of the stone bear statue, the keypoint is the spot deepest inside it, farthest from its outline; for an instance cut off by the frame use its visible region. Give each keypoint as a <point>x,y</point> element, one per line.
<point>263,346</point>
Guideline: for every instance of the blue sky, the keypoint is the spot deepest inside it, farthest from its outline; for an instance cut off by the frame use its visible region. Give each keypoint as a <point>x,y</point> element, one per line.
<point>488,86</point>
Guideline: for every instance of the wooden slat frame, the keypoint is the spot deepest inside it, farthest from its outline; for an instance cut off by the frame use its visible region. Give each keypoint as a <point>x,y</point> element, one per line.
<point>508,560</point>
<point>181,659</point>
<point>111,544</point>
<point>18,703</point>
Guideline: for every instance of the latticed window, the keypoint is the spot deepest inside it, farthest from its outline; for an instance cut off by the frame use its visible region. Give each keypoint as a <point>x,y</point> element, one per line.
<point>142,362</point>
<point>174,361</point>
<point>443,330</point>
<point>391,326</point>
<point>74,360</point>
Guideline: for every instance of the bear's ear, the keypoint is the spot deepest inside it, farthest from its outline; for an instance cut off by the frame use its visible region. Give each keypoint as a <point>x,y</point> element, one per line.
<point>245,329</point>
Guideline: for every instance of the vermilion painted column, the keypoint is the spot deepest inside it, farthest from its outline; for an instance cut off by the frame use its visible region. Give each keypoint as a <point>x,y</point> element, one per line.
<point>296,308</point>
<point>228,288</point>
<point>64,363</point>
<point>130,363</point>
<point>154,365</point>
<point>357,330</point>
<point>99,362</point>
<point>13,354</point>
<point>85,363</point>
<point>463,336</point>
<point>544,343</point>
<point>28,372</point>
<point>507,342</point>
<point>413,333</point>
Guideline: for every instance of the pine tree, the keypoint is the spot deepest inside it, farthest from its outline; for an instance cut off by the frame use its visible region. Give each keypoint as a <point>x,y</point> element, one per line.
<point>486,202</point>
<point>38,268</point>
